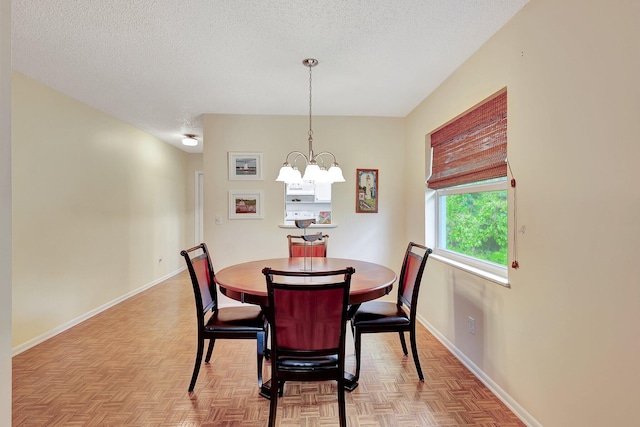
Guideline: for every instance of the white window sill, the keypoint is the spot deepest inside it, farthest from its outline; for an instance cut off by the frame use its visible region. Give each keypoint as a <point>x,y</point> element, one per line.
<point>495,278</point>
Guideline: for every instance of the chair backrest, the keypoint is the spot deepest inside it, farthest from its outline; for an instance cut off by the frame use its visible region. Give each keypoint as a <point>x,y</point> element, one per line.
<point>202,278</point>
<point>415,259</point>
<point>298,247</point>
<point>308,311</point>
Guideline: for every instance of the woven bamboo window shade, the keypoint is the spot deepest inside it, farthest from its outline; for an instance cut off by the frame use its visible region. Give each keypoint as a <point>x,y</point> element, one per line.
<point>472,147</point>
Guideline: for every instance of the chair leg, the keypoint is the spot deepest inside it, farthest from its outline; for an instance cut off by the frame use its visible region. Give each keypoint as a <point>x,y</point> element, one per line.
<point>414,350</point>
<point>357,342</point>
<point>267,353</point>
<point>196,368</point>
<point>342,412</point>
<point>403,342</point>
<point>212,341</point>
<point>261,347</point>
<point>273,405</point>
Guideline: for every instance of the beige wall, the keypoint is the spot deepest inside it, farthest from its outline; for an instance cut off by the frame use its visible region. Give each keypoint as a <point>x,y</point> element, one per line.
<point>563,342</point>
<point>357,142</point>
<point>5,212</point>
<point>96,204</point>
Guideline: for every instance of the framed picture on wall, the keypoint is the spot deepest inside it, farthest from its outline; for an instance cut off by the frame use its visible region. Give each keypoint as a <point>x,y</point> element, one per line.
<point>366,190</point>
<point>245,204</point>
<point>245,166</point>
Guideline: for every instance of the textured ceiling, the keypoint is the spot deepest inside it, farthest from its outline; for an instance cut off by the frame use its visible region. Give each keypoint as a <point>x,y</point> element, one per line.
<point>160,64</point>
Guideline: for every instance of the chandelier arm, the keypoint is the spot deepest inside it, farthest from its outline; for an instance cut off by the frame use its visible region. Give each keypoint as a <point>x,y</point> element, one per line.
<point>299,154</point>
<point>328,153</point>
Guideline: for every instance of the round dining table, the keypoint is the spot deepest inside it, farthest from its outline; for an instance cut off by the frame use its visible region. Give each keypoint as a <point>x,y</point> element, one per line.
<point>246,283</point>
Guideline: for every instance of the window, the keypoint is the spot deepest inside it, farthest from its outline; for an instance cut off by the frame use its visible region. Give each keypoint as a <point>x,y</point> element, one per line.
<point>472,225</point>
<point>469,178</point>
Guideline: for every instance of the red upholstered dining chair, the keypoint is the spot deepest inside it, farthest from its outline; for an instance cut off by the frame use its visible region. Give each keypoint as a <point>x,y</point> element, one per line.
<point>308,315</point>
<point>301,245</point>
<point>399,316</point>
<point>238,322</point>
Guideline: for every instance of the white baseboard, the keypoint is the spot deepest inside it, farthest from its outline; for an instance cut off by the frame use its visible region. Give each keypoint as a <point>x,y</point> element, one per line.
<point>37,340</point>
<point>514,406</point>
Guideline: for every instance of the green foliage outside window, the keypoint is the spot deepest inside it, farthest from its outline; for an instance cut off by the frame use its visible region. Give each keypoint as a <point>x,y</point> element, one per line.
<point>477,225</point>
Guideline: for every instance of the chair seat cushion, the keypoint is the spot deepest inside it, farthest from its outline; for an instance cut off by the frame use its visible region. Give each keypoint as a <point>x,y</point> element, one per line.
<point>377,313</point>
<point>308,362</point>
<point>237,319</point>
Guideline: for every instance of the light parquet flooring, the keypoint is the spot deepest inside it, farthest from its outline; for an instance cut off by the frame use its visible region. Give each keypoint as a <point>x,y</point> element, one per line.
<point>131,366</point>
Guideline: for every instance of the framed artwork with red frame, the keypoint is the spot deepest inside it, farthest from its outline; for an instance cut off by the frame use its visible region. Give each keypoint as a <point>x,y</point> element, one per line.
<point>367,187</point>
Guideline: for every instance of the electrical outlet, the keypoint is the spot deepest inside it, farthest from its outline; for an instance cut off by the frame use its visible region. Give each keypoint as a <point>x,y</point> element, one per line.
<point>472,325</point>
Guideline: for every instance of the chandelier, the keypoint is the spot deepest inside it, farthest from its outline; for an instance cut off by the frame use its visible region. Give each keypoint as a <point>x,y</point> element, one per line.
<point>315,170</point>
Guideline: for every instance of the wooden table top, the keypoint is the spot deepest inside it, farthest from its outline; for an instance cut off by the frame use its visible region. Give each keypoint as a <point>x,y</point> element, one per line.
<point>246,283</point>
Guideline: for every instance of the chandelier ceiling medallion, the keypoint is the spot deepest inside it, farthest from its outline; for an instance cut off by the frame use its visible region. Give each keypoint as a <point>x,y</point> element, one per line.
<point>313,172</point>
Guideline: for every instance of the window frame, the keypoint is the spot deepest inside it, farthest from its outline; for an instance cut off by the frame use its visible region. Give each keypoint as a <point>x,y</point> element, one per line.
<point>487,269</point>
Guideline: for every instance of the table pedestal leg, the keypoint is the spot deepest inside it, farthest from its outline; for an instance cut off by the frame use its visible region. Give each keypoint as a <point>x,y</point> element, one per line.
<point>265,390</point>
<point>350,381</point>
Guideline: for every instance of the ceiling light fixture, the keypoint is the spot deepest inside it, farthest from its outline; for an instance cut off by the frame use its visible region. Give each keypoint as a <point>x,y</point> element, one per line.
<point>189,140</point>
<point>314,172</point>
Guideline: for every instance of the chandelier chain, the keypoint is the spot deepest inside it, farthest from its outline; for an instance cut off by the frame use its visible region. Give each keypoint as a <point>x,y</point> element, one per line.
<point>310,127</point>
